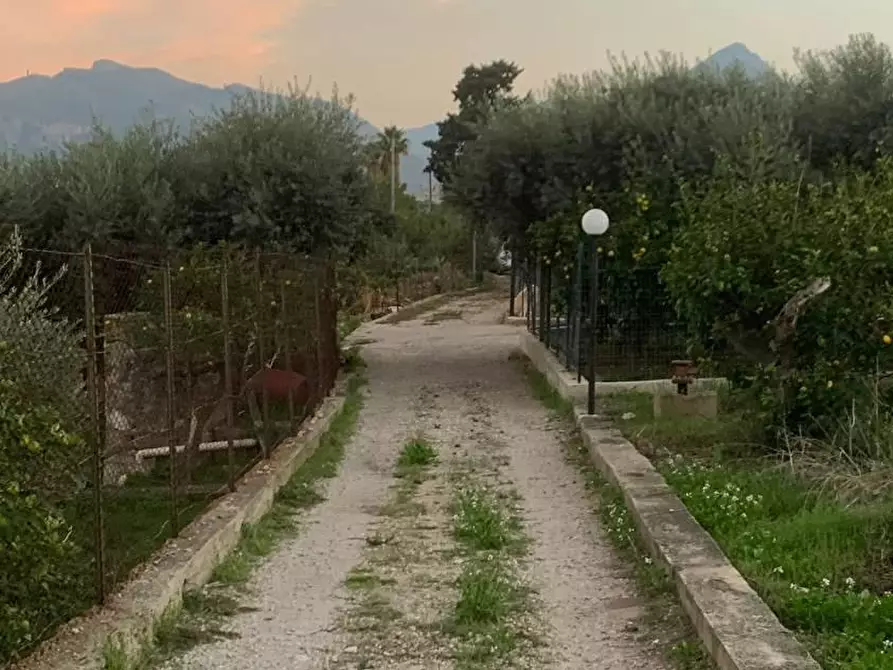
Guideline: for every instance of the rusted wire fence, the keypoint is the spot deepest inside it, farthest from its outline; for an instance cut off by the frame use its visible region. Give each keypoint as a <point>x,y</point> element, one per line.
<point>190,368</point>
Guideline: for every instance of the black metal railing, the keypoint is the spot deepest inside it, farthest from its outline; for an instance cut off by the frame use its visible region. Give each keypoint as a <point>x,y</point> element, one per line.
<point>637,331</point>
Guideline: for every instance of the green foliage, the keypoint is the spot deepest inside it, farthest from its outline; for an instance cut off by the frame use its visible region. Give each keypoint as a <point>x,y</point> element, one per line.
<point>36,545</point>
<point>417,453</point>
<point>761,241</point>
<point>39,349</point>
<point>820,565</point>
<point>481,90</point>
<point>278,170</point>
<point>727,195</point>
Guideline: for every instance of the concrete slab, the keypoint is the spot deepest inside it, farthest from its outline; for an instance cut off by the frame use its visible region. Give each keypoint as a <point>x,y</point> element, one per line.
<point>703,405</point>
<point>570,388</point>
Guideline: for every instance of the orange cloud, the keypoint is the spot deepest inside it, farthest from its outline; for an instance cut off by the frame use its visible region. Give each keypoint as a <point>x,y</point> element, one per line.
<point>83,9</point>
<point>206,40</point>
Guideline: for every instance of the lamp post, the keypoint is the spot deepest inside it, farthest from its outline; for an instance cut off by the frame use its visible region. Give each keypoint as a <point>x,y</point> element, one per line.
<point>595,223</point>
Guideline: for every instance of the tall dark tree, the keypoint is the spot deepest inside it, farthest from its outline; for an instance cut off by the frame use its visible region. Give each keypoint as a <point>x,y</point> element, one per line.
<point>481,89</point>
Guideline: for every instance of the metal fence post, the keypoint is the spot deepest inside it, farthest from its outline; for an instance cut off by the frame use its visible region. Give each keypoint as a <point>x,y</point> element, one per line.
<point>169,370</point>
<point>228,373</point>
<point>317,316</point>
<point>286,333</point>
<point>261,349</point>
<point>547,306</point>
<point>578,308</point>
<point>93,391</point>
<point>537,303</point>
<point>593,341</point>
<point>513,281</point>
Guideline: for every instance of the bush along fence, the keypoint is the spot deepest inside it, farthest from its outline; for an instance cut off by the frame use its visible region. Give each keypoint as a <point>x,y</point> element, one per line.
<point>135,388</point>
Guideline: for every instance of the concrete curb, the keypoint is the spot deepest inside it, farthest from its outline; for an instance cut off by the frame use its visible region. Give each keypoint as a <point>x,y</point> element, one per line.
<point>566,383</point>
<point>736,626</point>
<point>424,302</point>
<point>185,562</point>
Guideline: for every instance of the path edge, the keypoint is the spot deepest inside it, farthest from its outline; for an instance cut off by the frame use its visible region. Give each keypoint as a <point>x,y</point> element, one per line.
<point>424,302</point>
<point>737,627</point>
<point>185,562</point>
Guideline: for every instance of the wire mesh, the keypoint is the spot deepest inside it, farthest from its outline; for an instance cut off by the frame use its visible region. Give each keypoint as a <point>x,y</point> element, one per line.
<point>638,332</point>
<point>156,380</point>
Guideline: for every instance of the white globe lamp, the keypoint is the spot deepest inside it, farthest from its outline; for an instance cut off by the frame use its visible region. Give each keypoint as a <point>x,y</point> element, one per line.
<point>595,222</point>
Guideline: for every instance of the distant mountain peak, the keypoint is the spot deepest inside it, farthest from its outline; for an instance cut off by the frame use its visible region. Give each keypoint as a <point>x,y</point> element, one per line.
<point>735,54</point>
<point>106,65</point>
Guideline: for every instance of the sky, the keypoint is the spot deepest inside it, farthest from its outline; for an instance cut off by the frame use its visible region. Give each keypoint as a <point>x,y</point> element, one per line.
<point>401,58</point>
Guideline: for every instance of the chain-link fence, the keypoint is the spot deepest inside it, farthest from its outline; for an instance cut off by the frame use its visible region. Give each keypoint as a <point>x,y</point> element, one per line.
<point>637,330</point>
<point>161,379</point>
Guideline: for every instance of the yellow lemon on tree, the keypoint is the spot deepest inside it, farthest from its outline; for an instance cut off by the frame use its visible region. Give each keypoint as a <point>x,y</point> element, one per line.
<point>888,339</point>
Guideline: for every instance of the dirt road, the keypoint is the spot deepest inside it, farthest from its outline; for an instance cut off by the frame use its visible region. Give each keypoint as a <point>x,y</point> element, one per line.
<point>371,579</point>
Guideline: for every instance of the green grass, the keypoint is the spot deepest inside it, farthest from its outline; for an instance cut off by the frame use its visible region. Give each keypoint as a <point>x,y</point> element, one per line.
<point>488,593</point>
<point>413,464</point>
<point>824,566</point>
<point>491,598</point>
<point>416,453</point>
<point>363,579</point>
<point>483,522</point>
<point>664,614</point>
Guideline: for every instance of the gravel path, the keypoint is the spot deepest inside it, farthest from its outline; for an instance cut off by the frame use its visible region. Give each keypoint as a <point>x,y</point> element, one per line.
<point>452,379</point>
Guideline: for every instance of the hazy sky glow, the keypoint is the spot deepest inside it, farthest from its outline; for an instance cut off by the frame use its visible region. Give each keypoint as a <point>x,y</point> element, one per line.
<point>401,58</point>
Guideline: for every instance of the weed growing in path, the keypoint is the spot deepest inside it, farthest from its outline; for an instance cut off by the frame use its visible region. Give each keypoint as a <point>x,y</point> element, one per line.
<point>416,453</point>
<point>481,521</point>
<point>491,596</point>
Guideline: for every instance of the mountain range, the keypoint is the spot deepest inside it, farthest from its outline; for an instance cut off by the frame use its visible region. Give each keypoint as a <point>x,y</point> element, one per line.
<point>43,112</point>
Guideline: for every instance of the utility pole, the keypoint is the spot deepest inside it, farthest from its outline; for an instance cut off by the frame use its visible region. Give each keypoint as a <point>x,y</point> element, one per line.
<point>393,175</point>
<point>430,190</point>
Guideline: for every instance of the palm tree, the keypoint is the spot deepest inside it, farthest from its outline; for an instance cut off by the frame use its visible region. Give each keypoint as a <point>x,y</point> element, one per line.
<point>391,139</point>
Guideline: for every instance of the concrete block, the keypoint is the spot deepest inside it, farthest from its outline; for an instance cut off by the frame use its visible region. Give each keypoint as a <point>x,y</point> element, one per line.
<point>704,405</point>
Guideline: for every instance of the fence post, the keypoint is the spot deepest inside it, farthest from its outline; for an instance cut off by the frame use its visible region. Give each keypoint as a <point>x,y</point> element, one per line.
<point>261,350</point>
<point>286,330</point>
<point>547,306</point>
<point>537,271</point>
<point>513,280</point>
<point>593,340</point>
<point>169,369</point>
<point>93,392</point>
<point>317,316</point>
<point>228,373</point>
<point>578,307</point>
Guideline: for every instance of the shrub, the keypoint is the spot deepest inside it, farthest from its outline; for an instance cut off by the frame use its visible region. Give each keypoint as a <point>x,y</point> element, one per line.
<point>39,349</point>
<point>38,583</point>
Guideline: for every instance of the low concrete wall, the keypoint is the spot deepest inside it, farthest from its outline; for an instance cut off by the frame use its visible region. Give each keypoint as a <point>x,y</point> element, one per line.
<point>566,383</point>
<point>184,562</point>
<point>736,626</point>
